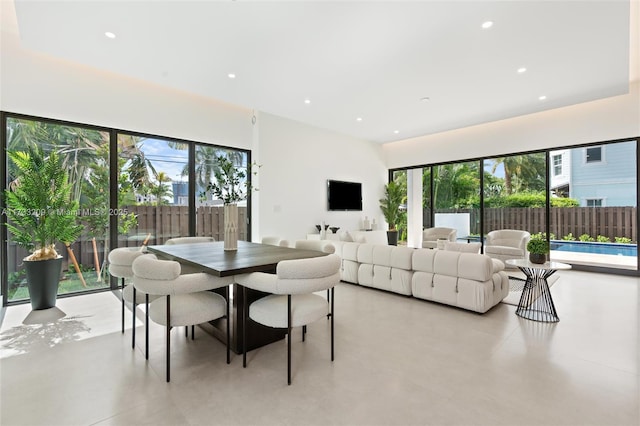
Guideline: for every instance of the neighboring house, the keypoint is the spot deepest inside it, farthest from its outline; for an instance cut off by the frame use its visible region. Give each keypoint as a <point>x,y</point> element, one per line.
<point>597,176</point>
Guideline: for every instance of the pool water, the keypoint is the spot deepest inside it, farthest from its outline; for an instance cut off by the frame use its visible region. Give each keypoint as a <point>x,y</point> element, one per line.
<point>596,248</point>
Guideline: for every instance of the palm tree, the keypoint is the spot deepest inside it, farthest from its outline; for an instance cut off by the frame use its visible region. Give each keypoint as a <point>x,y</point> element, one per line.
<point>159,189</point>
<point>522,172</point>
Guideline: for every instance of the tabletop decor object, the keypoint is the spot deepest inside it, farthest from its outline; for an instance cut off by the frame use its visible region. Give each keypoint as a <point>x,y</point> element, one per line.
<point>538,248</point>
<point>231,186</point>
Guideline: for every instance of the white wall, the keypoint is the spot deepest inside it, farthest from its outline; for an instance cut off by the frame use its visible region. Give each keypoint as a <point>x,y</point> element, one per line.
<point>612,118</point>
<point>297,160</point>
<point>37,84</point>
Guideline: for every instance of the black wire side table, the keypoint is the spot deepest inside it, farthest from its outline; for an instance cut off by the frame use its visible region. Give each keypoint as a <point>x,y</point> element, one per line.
<point>536,303</point>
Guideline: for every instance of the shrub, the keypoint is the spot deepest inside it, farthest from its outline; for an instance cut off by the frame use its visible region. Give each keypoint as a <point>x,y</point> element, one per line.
<point>602,239</point>
<point>564,202</point>
<point>586,238</point>
<point>622,240</point>
<point>569,237</point>
<point>543,236</point>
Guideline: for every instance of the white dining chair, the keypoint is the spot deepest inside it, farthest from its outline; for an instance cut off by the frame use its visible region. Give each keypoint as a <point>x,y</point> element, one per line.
<point>183,299</point>
<point>292,302</point>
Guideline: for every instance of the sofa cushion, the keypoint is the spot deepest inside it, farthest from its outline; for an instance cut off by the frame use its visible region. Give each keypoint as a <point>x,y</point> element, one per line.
<point>475,267</point>
<point>504,250</point>
<point>463,247</point>
<point>370,237</point>
<point>365,253</point>
<point>422,260</point>
<point>350,251</point>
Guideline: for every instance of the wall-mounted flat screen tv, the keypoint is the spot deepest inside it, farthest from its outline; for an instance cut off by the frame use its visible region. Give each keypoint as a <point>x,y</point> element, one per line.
<point>344,195</point>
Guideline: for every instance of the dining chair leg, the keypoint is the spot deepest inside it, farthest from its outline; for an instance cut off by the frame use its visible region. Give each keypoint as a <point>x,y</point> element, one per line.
<point>304,331</point>
<point>193,332</point>
<point>329,314</point>
<point>133,323</point>
<point>186,331</point>
<point>289,339</point>
<point>332,318</point>
<point>168,336</point>
<point>146,326</point>
<point>228,327</point>
<point>244,326</point>
<point>122,294</point>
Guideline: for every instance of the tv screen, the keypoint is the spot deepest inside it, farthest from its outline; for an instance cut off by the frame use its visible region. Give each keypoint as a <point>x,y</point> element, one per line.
<point>344,195</point>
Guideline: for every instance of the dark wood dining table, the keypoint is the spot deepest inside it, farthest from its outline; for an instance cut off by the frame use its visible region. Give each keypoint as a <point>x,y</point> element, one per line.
<point>250,257</point>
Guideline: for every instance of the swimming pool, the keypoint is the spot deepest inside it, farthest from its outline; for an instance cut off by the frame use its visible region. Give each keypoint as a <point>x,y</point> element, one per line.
<point>596,248</point>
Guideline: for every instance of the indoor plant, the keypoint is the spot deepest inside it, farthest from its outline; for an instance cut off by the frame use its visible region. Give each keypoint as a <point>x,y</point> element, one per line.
<point>230,186</point>
<point>390,206</point>
<point>40,213</point>
<point>538,248</point>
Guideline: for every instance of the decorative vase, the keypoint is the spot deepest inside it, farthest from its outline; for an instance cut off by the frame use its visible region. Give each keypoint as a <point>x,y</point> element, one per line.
<point>537,258</point>
<point>43,277</point>
<point>230,227</point>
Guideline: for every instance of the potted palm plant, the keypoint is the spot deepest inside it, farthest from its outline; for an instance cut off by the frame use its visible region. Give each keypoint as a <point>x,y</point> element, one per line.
<point>538,248</point>
<point>40,213</point>
<point>390,206</point>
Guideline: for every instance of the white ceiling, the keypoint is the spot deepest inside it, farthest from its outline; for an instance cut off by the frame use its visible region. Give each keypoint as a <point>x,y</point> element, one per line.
<point>373,60</point>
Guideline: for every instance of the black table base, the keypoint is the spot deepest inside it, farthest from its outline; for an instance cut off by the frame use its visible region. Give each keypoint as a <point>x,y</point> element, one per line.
<point>536,303</point>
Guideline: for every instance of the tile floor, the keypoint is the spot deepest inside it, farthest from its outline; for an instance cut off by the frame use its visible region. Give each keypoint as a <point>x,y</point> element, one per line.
<point>399,361</point>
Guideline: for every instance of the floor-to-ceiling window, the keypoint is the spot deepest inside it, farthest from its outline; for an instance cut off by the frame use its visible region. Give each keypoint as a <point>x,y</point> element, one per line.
<point>153,189</point>
<point>456,197</point>
<point>593,205</point>
<point>84,152</point>
<point>584,198</point>
<point>153,197</point>
<point>515,193</point>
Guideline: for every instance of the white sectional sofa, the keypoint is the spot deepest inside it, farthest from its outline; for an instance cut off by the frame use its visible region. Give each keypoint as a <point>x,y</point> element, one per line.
<point>466,280</point>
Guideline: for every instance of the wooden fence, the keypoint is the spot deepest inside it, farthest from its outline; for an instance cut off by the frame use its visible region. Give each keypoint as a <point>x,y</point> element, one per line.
<point>610,222</point>
<point>159,223</point>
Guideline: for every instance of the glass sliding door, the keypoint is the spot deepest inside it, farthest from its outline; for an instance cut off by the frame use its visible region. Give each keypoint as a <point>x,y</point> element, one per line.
<point>400,178</point>
<point>514,193</point>
<point>593,205</point>
<point>153,190</point>
<point>456,198</point>
<point>84,152</point>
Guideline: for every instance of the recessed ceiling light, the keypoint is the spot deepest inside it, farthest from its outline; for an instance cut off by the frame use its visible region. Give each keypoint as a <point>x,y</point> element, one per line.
<point>522,70</point>
<point>231,75</point>
<point>487,24</point>
<point>542,98</point>
<point>359,119</point>
<point>425,99</point>
<point>109,34</point>
<point>307,101</point>
<point>396,131</point>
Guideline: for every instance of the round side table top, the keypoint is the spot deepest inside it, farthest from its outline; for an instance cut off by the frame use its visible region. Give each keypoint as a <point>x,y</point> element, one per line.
<point>524,263</point>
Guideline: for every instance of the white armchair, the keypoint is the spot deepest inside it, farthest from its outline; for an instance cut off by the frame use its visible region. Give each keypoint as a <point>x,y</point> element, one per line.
<point>430,236</point>
<point>504,244</point>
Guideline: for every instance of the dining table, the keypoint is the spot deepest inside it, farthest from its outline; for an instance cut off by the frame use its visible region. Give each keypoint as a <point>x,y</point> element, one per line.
<point>211,258</point>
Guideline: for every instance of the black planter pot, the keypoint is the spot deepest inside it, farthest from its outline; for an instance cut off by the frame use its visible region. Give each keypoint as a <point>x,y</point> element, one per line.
<point>537,258</point>
<point>43,277</point>
<point>392,238</point>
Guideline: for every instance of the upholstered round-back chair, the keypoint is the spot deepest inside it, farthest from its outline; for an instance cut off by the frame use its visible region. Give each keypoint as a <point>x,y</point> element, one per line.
<point>505,244</point>
<point>292,302</point>
<point>430,236</point>
<point>275,241</point>
<point>182,299</point>
<point>189,240</point>
<point>120,266</point>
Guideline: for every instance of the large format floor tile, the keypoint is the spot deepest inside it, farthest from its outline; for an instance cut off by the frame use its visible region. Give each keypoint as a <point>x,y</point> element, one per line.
<point>399,361</point>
